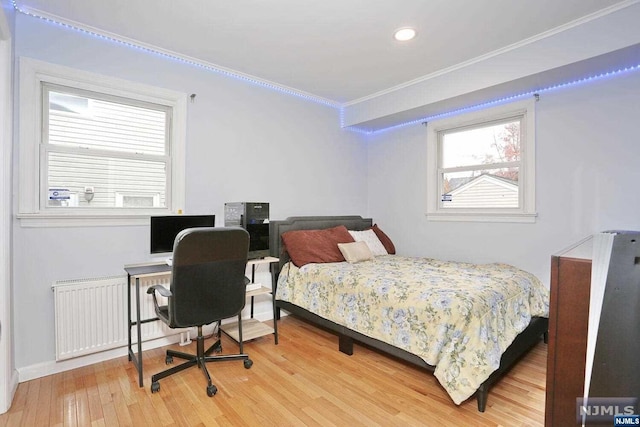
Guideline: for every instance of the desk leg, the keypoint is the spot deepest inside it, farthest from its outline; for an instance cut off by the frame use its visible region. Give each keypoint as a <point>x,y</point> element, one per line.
<point>240,343</point>
<point>273,301</point>
<point>139,330</point>
<point>275,321</point>
<point>129,314</point>
<point>253,280</point>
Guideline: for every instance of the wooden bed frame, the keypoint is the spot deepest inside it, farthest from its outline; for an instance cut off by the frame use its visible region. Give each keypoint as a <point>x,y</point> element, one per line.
<point>537,328</point>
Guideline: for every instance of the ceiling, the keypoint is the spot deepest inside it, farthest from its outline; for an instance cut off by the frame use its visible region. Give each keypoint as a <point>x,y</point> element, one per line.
<point>339,50</point>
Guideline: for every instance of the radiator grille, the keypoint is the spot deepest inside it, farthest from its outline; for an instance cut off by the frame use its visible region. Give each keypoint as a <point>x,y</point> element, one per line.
<point>91,314</point>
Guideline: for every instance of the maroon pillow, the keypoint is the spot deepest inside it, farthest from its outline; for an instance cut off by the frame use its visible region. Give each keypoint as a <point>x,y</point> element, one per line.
<point>386,241</point>
<point>306,246</point>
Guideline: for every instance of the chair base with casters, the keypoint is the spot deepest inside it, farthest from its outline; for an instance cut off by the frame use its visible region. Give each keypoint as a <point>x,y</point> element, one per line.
<point>200,359</point>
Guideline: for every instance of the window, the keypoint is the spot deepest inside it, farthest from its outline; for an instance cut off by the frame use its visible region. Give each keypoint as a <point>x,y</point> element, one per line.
<point>102,150</point>
<point>481,165</point>
<point>106,144</point>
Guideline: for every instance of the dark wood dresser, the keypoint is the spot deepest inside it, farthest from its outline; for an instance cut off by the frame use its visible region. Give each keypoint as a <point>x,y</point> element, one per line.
<point>568,326</point>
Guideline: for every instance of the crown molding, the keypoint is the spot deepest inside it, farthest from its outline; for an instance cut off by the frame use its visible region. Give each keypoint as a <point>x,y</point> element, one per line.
<point>188,60</point>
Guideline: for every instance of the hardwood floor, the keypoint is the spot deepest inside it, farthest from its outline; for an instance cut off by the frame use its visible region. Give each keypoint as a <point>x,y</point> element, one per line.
<point>303,381</point>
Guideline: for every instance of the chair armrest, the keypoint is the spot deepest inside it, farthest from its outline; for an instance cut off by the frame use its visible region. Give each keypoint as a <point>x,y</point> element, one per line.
<point>161,290</point>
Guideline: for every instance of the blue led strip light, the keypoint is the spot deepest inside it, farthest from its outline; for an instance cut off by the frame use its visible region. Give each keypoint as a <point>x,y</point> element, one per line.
<point>584,80</point>
<point>204,66</point>
<point>323,101</point>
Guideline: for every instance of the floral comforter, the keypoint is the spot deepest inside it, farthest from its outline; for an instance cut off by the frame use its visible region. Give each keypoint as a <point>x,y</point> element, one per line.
<point>458,317</point>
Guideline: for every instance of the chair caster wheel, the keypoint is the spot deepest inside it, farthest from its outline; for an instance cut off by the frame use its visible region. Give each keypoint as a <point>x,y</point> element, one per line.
<point>168,360</point>
<point>217,349</point>
<point>211,390</point>
<point>248,363</point>
<point>155,386</point>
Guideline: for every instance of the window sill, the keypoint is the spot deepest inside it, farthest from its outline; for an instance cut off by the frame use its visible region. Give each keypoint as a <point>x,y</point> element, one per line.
<point>82,219</point>
<point>482,217</point>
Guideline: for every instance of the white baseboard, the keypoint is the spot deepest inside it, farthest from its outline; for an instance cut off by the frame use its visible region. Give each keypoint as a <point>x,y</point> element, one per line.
<point>43,369</point>
<point>52,367</point>
<point>262,316</point>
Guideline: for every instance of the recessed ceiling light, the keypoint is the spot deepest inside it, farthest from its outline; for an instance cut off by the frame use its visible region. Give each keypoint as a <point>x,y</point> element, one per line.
<point>404,34</point>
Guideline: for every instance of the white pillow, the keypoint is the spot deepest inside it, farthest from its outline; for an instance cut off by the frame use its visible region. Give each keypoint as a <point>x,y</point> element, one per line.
<point>370,238</point>
<point>355,251</point>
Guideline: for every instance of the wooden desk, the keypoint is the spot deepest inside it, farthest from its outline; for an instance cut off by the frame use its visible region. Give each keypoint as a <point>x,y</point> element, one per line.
<point>136,272</point>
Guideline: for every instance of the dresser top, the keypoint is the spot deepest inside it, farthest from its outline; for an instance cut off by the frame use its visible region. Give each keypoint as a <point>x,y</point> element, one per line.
<point>581,250</point>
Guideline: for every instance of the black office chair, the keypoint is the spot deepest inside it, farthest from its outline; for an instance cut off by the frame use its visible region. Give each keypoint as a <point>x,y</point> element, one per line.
<point>208,284</point>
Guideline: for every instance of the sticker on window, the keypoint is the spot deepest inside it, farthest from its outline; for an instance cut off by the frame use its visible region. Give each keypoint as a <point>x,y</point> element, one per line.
<point>59,194</point>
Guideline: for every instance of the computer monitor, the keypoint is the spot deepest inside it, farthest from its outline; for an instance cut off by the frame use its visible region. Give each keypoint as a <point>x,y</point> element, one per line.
<point>164,229</point>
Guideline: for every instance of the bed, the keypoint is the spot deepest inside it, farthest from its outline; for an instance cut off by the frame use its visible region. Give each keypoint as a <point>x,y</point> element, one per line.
<point>390,303</point>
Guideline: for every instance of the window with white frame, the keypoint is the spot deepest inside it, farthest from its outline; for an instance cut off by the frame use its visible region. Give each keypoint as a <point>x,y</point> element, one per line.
<point>102,148</point>
<point>482,166</point>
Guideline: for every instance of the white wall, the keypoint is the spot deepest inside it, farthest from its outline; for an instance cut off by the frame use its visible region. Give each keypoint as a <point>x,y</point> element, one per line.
<point>8,376</point>
<point>244,143</point>
<point>587,172</point>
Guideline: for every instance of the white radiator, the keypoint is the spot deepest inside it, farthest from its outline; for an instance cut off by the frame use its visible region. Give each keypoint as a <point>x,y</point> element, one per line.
<point>91,314</point>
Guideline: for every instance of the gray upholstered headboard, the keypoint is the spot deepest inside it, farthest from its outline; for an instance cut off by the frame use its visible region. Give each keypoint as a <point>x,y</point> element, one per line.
<point>276,228</point>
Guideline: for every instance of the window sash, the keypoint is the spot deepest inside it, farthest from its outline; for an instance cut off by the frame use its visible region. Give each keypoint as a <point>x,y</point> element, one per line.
<point>105,111</point>
<point>442,171</point>
<point>491,192</point>
<point>107,175</point>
